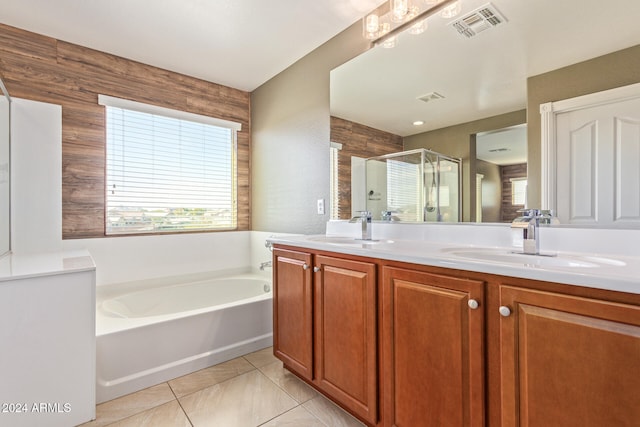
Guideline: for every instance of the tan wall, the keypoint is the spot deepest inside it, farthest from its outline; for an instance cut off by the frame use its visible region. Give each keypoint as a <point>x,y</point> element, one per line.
<point>457,141</point>
<point>605,72</point>
<point>291,136</point>
<point>45,69</point>
<point>491,190</point>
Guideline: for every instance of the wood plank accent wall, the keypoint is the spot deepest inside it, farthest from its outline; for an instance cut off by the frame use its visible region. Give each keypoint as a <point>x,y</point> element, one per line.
<point>44,69</point>
<point>508,212</point>
<point>360,141</point>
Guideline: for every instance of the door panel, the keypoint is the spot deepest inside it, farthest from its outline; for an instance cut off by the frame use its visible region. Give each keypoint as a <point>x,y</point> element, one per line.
<point>433,350</point>
<point>292,311</point>
<point>346,333</point>
<point>569,361</point>
<point>598,158</point>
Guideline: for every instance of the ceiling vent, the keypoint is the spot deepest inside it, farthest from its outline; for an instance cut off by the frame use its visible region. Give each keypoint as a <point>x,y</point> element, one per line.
<point>481,19</point>
<point>430,97</point>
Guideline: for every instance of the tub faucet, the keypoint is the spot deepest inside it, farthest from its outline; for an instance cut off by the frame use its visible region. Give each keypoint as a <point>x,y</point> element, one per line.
<point>264,265</point>
<point>365,220</point>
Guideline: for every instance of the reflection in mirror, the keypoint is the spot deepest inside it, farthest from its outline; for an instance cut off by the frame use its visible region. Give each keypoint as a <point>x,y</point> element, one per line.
<point>501,174</point>
<point>5,111</point>
<point>459,85</point>
<point>416,186</point>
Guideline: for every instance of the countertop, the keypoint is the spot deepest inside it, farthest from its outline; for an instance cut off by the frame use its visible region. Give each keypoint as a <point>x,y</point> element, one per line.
<point>611,272</point>
<point>15,266</point>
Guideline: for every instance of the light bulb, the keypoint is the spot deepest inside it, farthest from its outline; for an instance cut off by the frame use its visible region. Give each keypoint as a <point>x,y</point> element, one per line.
<point>371,26</point>
<point>452,10</point>
<point>399,9</point>
<point>420,26</point>
<point>391,42</point>
<point>385,27</point>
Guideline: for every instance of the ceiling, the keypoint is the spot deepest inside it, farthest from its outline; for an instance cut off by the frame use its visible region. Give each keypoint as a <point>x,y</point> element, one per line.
<point>480,76</point>
<point>236,43</point>
<point>502,147</point>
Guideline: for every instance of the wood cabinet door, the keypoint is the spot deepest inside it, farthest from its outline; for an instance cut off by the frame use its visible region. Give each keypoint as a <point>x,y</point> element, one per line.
<point>568,361</point>
<point>346,334</point>
<point>293,310</point>
<point>433,351</point>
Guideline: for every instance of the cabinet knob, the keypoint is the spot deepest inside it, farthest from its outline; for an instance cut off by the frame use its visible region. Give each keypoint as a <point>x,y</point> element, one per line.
<point>504,311</point>
<point>305,266</point>
<point>316,269</point>
<point>473,304</point>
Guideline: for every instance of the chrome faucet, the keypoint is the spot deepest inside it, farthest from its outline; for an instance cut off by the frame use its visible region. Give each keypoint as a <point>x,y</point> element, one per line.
<point>529,222</point>
<point>388,216</point>
<point>365,220</point>
<point>531,239</point>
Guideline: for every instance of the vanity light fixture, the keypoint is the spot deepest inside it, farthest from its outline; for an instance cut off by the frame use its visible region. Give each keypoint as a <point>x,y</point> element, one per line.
<point>382,25</point>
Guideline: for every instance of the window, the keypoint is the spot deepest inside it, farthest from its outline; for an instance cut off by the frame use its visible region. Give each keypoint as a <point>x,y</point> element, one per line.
<point>518,191</point>
<point>167,170</point>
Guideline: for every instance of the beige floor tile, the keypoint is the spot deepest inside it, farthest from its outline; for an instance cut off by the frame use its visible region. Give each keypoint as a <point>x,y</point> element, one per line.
<point>330,414</point>
<point>167,415</point>
<point>126,406</point>
<point>261,357</point>
<point>209,376</point>
<point>297,417</point>
<point>294,386</point>
<point>244,401</point>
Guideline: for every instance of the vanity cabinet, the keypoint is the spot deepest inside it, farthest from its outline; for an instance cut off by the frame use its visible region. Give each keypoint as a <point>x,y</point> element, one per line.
<point>325,330</point>
<point>433,349</point>
<point>568,360</point>
<point>408,345</point>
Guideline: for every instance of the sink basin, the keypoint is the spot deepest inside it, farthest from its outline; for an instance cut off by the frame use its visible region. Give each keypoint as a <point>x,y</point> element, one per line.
<point>346,241</point>
<point>506,256</point>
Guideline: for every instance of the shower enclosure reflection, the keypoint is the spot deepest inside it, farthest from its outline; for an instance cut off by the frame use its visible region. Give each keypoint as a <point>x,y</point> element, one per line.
<point>418,186</point>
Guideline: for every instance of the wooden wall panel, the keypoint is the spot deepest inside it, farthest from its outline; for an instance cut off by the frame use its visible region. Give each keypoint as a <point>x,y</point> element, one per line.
<point>360,141</point>
<point>44,69</point>
<point>508,211</point>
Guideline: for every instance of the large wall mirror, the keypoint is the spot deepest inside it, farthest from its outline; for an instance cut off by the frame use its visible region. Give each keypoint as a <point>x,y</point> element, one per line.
<point>461,88</point>
<point>5,134</point>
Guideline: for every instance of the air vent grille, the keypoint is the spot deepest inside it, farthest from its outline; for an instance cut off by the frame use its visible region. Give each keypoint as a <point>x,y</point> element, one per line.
<point>481,19</point>
<point>432,96</point>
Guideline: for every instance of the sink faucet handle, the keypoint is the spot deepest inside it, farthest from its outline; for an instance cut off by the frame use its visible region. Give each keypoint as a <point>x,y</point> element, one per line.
<point>387,215</point>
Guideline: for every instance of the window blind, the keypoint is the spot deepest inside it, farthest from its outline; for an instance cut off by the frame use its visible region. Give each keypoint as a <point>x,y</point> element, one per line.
<point>167,174</point>
<point>403,190</point>
<point>334,151</point>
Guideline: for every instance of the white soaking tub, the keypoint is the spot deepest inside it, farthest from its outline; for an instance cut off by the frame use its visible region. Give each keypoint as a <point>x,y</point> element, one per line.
<point>149,333</point>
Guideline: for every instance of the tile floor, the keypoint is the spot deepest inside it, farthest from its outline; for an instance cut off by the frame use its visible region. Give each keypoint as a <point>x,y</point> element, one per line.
<point>250,391</point>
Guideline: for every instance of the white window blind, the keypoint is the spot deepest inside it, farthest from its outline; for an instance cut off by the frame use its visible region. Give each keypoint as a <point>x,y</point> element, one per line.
<point>403,195</point>
<point>334,151</point>
<point>168,174</point>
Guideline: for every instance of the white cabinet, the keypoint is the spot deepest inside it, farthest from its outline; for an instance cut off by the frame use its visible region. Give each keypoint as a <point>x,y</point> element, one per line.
<point>47,340</point>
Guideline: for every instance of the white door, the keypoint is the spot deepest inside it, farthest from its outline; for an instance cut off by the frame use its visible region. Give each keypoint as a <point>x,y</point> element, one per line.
<point>598,164</point>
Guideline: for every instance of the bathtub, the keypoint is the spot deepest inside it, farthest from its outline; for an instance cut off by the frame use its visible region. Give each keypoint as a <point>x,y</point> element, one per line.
<point>150,332</point>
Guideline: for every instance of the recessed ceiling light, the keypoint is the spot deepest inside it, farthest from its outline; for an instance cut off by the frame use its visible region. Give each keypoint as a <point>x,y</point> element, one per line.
<point>418,123</point>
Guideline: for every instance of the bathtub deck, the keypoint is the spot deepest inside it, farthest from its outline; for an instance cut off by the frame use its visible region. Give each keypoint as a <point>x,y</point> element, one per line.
<point>252,390</point>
